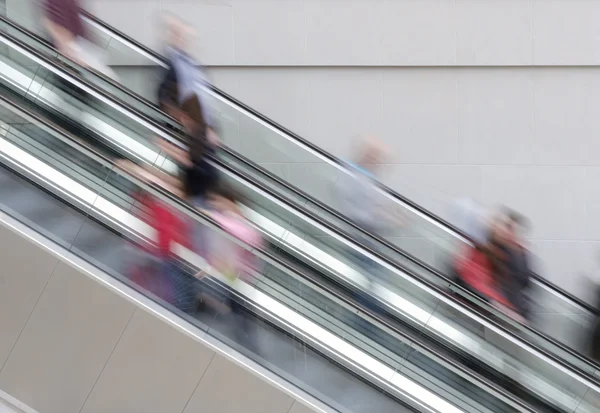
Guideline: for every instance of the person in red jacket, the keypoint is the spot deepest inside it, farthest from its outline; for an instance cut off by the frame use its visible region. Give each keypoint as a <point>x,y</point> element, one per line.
<point>477,265</point>
<point>164,278</point>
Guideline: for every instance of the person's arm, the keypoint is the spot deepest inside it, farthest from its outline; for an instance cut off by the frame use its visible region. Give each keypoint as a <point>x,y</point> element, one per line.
<point>62,37</point>
<point>179,155</point>
<point>152,175</point>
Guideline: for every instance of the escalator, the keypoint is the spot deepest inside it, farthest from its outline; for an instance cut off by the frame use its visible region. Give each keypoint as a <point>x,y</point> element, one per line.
<point>311,337</point>
<point>311,176</point>
<point>416,307</point>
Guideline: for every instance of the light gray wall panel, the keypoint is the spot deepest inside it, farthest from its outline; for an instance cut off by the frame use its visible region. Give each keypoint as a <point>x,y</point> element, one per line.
<point>256,22</point>
<point>496,127</point>
<point>25,272</point>
<point>227,388</point>
<point>344,32</point>
<point>533,191</point>
<point>153,368</point>
<point>592,207</point>
<point>494,32</point>
<point>565,114</point>
<point>420,116</point>
<point>285,93</point>
<point>566,32</point>
<point>436,186</point>
<point>140,19</point>
<point>568,263</point>
<point>66,343</point>
<point>214,29</point>
<point>344,105</point>
<point>420,33</point>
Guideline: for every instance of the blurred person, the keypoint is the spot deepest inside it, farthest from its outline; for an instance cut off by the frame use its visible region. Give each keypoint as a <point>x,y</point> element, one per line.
<point>518,276</point>
<point>232,261</point>
<point>184,75</point>
<point>475,265</point>
<point>361,202</point>
<point>359,197</point>
<point>199,176</point>
<point>64,24</point>
<point>62,20</point>
<point>162,275</point>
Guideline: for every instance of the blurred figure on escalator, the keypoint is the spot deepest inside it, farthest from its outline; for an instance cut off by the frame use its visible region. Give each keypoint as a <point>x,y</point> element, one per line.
<point>184,75</point>
<point>480,266</point>
<point>233,263</point>
<point>361,202</point>
<point>161,273</point>
<point>64,24</point>
<point>518,264</point>
<point>359,198</point>
<point>199,176</point>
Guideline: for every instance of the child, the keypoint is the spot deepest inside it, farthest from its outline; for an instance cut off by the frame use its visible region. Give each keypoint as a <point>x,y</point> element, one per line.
<point>164,278</point>
<point>232,261</point>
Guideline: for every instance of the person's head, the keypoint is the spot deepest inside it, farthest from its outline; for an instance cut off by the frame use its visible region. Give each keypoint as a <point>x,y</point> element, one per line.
<point>177,32</point>
<point>371,153</point>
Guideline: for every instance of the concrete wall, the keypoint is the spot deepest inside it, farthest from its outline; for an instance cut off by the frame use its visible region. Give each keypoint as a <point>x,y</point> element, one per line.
<point>492,99</point>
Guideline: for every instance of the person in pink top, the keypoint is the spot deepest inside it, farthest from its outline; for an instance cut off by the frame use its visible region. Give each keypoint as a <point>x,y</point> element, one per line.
<point>233,262</point>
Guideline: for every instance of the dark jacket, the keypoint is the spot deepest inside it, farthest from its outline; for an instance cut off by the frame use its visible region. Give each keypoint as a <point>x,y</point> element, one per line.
<point>518,276</point>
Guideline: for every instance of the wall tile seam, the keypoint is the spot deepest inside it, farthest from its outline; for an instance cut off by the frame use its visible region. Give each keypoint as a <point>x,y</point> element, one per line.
<point>107,360</point>
<point>199,382</point>
<point>50,276</point>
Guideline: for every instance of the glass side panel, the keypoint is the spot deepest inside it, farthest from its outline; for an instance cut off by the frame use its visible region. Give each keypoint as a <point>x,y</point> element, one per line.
<point>191,283</point>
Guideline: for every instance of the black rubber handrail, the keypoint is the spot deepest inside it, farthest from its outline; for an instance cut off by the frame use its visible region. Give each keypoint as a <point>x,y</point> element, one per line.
<point>119,102</point>
<point>169,198</point>
<point>581,303</point>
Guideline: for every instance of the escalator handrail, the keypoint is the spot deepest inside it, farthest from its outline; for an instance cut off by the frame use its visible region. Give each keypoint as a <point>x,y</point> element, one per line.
<point>445,225</point>
<point>444,295</point>
<point>182,206</point>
